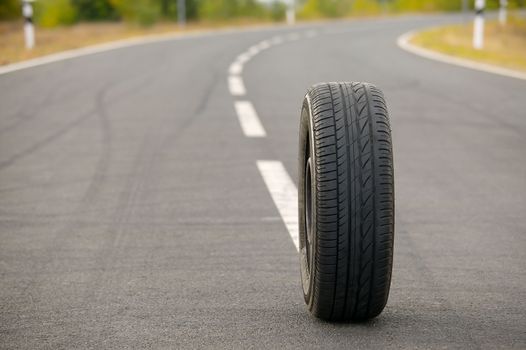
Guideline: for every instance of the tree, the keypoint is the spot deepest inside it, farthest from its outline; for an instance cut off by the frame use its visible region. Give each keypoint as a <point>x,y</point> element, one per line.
<point>10,9</point>
<point>53,13</point>
<point>91,10</point>
<point>144,12</point>
<point>225,9</point>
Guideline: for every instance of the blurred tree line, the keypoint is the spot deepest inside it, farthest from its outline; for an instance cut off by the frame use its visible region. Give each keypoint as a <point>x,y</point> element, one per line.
<point>52,13</point>
<point>342,8</point>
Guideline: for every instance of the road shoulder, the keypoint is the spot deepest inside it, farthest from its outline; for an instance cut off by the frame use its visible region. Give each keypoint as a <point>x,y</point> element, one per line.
<point>404,42</point>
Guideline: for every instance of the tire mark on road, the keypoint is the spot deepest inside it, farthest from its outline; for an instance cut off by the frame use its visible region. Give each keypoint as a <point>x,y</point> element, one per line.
<point>93,189</point>
<point>27,112</point>
<point>60,132</point>
<point>47,140</point>
<point>158,138</point>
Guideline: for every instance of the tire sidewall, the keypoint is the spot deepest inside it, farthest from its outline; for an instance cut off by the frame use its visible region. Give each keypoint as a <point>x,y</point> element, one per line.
<point>307,140</point>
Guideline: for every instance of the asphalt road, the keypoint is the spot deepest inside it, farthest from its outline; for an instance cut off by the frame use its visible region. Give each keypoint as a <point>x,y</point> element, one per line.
<point>133,215</point>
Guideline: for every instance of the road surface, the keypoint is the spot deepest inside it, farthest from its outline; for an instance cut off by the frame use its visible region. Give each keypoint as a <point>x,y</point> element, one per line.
<point>133,213</point>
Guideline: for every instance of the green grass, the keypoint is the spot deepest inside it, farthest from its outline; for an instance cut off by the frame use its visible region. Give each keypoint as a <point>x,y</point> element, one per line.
<point>504,45</point>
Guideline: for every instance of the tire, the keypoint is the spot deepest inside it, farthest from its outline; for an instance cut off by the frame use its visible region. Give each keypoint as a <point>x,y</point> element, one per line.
<point>346,201</point>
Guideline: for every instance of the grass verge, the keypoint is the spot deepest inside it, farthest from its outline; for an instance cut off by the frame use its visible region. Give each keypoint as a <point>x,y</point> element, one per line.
<point>505,45</point>
<point>54,40</point>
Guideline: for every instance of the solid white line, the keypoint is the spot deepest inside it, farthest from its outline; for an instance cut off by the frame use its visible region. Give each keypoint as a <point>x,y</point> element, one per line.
<point>283,193</point>
<point>118,44</point>
<point>236,85</point>
<point>236,68</point>
<point>249,119</point>
<point>405,44</point>
<point>98,48</point>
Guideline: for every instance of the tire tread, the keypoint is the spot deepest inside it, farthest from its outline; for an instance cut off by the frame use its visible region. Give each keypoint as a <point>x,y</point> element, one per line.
<point>354,202</point>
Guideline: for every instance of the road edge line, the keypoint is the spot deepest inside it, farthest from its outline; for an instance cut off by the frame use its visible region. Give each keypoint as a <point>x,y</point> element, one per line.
<point>403,42</point>
<point>128,42</point>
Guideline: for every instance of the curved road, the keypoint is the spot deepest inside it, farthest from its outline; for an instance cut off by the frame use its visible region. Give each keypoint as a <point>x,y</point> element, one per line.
<point>133,213</point>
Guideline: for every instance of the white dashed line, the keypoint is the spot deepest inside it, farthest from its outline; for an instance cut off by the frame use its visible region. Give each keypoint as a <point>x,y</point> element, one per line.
<point>265,44</point>
<point>236,85</point>
<point>243,58</point>
<point>280,185</point>
<point>311,34</point>
<point>236,68</point>
<point>293,36</point>
<point>276,40</point>
<point>249,119</point>
<point>253,51</point>
<point>283,193</point>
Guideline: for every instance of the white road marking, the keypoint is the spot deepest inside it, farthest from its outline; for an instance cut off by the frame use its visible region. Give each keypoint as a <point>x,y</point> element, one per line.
<point>236,68</point>
<point>265,44</point>
<point>311,34</point>
<point>334,31</point>
<point>283,193</point>
<point>404,43</point>
<point>243,58</point>
<point>249,119</point>
<point>236,85</point>
<point>293,36</point>
<point>276,40</point>
<point>253,51</point>
<point>114,45</point>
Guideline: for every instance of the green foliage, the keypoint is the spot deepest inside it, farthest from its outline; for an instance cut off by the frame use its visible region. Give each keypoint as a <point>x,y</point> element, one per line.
<point>342,8</point>
<point>169,9</point>
<point>10,9</point>
<point>226,9</point>
<point>366,7</point>
<point>325,8</point>
<point>94,10</point>
<point>143,12</point>
<point>192,9</point>
<point>278,11</point>
<point>53,13</point>
<point>426,5</point>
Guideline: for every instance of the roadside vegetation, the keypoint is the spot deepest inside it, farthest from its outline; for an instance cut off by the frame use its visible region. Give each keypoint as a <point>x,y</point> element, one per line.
<point>53,13</point>
<point>69,24</point>
<point>504,45</point>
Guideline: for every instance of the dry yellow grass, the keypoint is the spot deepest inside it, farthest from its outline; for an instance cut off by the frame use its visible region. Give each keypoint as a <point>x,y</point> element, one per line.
<point>66,38</point>
<point>504,45</point>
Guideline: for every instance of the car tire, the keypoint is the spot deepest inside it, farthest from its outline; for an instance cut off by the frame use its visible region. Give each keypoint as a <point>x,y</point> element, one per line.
<point>346,201</point>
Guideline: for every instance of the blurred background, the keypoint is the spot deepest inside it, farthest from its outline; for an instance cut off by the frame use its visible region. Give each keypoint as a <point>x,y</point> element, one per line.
<point>52,13</point>
<point>70,24</point>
